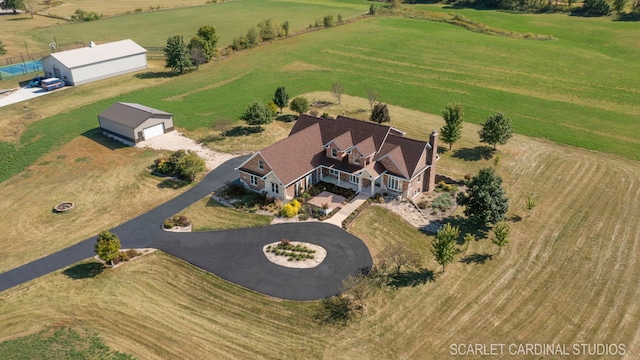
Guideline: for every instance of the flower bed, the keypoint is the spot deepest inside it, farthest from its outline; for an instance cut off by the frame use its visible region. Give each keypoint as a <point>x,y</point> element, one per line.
<point>291,254</point>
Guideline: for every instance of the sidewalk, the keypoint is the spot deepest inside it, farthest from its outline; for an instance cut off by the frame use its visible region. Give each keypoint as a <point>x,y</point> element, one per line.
<point>355,203</point>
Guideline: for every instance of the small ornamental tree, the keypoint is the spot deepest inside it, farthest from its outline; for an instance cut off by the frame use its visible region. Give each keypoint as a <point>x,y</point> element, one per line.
<point>485,200</point>
<point>444,247</point>
<point>257,114</point>
<point>373,97</point>
<point>177,55</point>
<point>299,105</point>
<point>2,49</point>
<point>452,130</point>
<point>501,234</point>
<point>198,43</point>
<point>400,255</point>
<point>531,203</point>
<point>107,246</point>
<point>337,90</point>
<point>496,129</point>
<point>197,56</point>
<point>380,114</point>
<point>281,98</point>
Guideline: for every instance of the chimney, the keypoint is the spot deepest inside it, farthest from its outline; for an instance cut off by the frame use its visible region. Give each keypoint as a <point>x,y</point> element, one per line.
<point>430,181</point>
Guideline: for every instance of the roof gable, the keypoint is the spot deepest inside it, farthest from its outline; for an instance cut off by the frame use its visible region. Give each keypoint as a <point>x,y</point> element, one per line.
<point>130,114</point>
<point>91,55</point>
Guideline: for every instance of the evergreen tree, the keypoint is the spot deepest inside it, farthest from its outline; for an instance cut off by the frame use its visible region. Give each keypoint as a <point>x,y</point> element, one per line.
<point>485,201</point>
<point>281,98</point>
<point>452,130</point>
<point>177,55</point>
<point>380,113</point>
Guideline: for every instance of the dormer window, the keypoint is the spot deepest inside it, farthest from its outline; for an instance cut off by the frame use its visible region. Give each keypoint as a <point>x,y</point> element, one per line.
<point>261,165</point>
<point>334,152</point>
<point>356,158</point>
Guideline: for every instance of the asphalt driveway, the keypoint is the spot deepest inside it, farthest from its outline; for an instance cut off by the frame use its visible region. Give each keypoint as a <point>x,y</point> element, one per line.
<point>234,255</point>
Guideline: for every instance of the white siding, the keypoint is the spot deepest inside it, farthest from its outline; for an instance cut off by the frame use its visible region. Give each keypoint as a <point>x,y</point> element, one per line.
<point>84,74</point>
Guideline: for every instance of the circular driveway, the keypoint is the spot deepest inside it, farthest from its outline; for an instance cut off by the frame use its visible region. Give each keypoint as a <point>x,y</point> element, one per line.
<point>236,255</point>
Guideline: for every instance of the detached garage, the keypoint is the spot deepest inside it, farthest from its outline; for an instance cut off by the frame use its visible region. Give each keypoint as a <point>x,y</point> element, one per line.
<point>134,122</point>
<point>96,62</point>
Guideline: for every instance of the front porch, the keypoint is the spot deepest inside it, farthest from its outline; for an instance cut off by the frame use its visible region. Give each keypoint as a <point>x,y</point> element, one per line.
<point>355,182</point>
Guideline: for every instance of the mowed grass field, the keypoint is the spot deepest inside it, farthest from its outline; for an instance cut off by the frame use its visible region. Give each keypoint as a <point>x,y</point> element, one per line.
<point>569,275</point>
<point>588,99</point>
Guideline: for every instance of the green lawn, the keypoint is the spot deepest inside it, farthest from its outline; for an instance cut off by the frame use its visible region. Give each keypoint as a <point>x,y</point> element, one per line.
<point>208,214</point>
<point>575,90</point>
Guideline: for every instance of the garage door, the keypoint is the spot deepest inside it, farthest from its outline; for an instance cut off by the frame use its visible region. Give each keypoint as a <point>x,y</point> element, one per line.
<point>153,131</point>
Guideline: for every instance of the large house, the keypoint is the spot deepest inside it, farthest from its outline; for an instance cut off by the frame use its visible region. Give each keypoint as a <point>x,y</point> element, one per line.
<point>351,153</point>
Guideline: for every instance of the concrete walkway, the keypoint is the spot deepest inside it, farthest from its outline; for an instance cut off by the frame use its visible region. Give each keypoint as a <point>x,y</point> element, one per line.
<point>355,203</point>
<point>235,255</point>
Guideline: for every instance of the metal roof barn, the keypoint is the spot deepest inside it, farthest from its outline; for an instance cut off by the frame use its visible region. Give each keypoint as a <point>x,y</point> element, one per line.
<point>134,122</point>
<point>96,62</point>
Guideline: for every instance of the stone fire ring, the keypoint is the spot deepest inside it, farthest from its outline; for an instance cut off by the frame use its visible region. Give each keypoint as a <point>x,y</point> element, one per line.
<point>64,207</point>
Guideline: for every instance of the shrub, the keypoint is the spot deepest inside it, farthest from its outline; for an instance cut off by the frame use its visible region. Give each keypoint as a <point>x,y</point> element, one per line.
<point>285,242</point>
<point>303,217</point>
<point>168,224</point>
<point>288,211</point>
<point>132,253</point>
<point>296,204</point>
<point>328,21</point>
<point>124,256</point>
<point>422,205</point>
<point>443,202</point>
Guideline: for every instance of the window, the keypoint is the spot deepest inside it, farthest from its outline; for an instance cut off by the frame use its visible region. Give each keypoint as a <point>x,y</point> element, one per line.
<point>334,152</point>
<point>356,158</point>
<point>354,179</point>
<point>334,172</point>
<point>393,183</point>
<point>254,180</point>
<point>260,164</point>
<point>275,188</point>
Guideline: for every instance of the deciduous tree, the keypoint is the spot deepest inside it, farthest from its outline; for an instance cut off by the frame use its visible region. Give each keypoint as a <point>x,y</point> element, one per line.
<point>208,34</point>
<point>253,37</point>
<point>337,90</point>
<point>501,234</point>
<point>107,246</point>
<point>373,97</point>
<point>177,55</point>
<point>496,129</point>
<point>201,44</point>
<point>531,203</point>
<point>452,130</point>
<point>190,165</point>
<point>443,246</point>
<point>358,288</point>
<point>281,98</point>
<point>299,105</point>
<point>13,5</point>
<point>380,113</point>
<point>197,56</point>
<point>485,200</point>
<point>400,255</point>
<point>258,114</point>
<point>2,48</point>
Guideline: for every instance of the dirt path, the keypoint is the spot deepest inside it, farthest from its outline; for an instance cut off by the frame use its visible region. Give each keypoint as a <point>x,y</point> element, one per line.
<point>175,140</point>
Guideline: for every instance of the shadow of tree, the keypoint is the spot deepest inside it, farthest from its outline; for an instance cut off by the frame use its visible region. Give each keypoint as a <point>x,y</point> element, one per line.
<point>411,278</point>
<point>173,184</point>
<point>156,75</point>
<point>474,154</point>
<point>476,258</point>
<point>515,218</point>
<point>286,117</point>
<point>243,130</point>
<point>84,271</point>
<point>466,227</point>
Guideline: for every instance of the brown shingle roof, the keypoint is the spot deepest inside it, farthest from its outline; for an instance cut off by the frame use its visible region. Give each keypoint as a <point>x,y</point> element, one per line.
<point>130,114</point>
<point>296,155</point>
<point>302,150</point>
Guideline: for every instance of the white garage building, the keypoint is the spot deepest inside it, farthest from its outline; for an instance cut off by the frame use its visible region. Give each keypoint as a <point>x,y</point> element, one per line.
<point>96,62</point>
<point>134,122</point>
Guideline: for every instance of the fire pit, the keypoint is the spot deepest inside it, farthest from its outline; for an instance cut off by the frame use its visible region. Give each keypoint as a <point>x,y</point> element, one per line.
<point>64,207</point>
